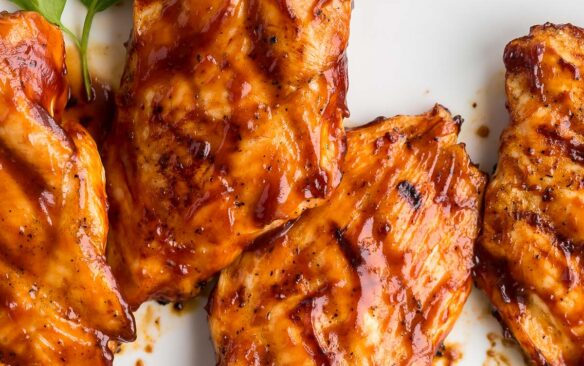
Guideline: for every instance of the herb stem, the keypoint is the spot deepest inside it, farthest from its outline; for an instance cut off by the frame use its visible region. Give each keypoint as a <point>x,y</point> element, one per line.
<point>71,35</point>
<point>91,11</point>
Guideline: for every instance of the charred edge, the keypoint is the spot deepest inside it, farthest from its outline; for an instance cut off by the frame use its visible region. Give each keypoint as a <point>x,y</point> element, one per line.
<point>458,120</point>
<point>388,138</point>
<point>210,305</point>
<point>510,290</point>
<point>573,69</point>
<point>531,356</point>
<point>441,350</point>
<point>351,255</point>
<point>520,57</point>
<point>410,194</point>
<point>507,332</point>
<point>526,54</point>
<point>573,149</point>
<point>375,122</point>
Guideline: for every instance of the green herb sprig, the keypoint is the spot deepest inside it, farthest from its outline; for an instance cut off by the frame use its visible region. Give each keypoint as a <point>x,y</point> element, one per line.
<point>52,10</point>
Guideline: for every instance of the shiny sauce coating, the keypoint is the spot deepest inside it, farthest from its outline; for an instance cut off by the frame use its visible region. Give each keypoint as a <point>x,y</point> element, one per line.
<point>59,304</point>
<point>376,276</point>
<point>529,260</point>
<point>229,124</point>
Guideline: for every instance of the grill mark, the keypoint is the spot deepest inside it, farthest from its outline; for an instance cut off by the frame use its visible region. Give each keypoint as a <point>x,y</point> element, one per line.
<point>40,115</point>
<point>560,241</point>
<point>10,261</point>
<point>168,60</point>
<point>352,256</point>
<point>410,194</point>
<point>510,289</point>
<point>8,356</point>
<point>568,147</point>
<point>266,63</point>
<point>443,177</point>
<point>28,178</point>
<point>266,241</point>
<point>198,151</point>
<point>48,244</point>
<point>287,9</point>
<point>302,316</point>
<point>262,52</point>
<point>318,185</point>
<point>246,16</point>
<point>575,71</point>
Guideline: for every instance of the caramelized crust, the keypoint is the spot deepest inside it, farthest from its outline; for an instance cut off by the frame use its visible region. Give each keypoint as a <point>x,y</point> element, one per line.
<point>378,275</point>
<point>531,251</point>
<point>229,124</point>
<point>59,304</point>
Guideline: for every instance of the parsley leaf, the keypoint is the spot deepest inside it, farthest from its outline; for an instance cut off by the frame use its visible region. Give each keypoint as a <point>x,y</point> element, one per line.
<point>51,10</point>
<point>100,5</point>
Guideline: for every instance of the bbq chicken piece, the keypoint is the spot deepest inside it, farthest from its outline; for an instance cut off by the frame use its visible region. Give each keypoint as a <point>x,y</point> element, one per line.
<point>378,275</point>
<point>59,304</point>
<point>229,125</point>
<point>530,256</point>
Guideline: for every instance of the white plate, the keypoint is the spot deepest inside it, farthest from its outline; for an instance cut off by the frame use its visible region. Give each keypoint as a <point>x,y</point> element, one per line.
<point>405,55</point>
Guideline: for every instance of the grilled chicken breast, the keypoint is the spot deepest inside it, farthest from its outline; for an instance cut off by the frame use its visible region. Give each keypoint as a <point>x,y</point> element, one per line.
<point>531,251</point>
<point>59,304</point>
<point>229,124</point>
<point>378,275</point>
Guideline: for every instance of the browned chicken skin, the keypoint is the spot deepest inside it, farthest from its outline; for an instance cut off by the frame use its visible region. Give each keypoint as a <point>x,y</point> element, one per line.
<point>531,251</point>
<point>378,275</point>
<point>59,304</point>
<point>229,124</point>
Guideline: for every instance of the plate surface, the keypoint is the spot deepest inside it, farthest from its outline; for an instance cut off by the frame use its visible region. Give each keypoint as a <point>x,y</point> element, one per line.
<point>404,56</point>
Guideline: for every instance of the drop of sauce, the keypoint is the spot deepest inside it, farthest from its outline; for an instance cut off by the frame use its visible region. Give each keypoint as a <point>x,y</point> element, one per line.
<point>496,355</point>
<point>483,131</point>
<point>447,355</point>
<point>185,307</point>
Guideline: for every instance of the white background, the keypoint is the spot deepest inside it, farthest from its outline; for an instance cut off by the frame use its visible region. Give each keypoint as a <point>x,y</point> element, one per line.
<point>404,56</point>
